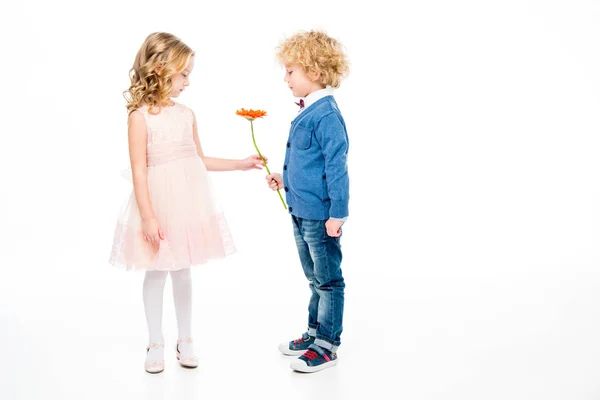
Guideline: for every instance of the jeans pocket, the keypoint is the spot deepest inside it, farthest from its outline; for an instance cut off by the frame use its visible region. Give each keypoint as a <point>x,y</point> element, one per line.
<point>324,227</point>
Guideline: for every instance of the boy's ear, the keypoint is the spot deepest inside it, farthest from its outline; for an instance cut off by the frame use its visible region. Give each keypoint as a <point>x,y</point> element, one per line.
<point>313,75</point>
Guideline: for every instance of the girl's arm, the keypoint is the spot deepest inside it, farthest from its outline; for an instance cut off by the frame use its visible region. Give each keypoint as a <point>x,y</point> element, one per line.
<point>138,141</point>
<point>222,164</point>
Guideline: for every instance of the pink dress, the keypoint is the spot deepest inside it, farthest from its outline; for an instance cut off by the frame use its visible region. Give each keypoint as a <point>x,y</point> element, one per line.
<point>182,199</point>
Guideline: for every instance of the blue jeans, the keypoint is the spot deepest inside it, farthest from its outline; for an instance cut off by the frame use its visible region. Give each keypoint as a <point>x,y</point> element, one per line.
<point>321,257</point>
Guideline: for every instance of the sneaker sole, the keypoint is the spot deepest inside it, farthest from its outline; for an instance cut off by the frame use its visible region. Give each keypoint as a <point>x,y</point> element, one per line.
<point>301,366</point>
<point>285,349</point>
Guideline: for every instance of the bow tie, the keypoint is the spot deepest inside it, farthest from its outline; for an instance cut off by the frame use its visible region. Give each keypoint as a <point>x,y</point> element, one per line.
<point>301,104</point>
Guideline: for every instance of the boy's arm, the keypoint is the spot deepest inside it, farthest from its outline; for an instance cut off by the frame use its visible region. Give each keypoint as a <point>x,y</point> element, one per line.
<point>331,135</point>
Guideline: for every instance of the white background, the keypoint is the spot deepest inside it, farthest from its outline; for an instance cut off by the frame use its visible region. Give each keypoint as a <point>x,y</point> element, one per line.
<point>471,252</point>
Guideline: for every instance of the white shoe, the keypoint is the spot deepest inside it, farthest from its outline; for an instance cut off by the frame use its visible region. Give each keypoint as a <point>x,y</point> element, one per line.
<point>297,347</point>
<point>186,358</point>
<point>155,358</point>
<point>284,348</point>
<point>314,359</point>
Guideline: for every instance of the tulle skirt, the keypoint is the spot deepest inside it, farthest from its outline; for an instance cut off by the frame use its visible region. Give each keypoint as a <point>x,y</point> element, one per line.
<point>183,202</point>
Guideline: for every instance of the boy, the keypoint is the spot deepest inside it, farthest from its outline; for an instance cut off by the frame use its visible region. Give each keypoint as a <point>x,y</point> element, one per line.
<point>315,179</point>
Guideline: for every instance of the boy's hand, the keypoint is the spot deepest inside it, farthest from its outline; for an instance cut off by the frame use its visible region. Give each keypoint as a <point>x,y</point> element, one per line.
<point>333,227</point>
<point>275,181</point>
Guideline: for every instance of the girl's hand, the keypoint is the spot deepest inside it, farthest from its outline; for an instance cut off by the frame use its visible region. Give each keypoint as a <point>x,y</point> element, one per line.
<point>151,231</point>
<point>252,162</point>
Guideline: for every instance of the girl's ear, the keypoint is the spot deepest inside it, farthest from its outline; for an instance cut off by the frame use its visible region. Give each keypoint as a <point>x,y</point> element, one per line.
<point>159,68</point>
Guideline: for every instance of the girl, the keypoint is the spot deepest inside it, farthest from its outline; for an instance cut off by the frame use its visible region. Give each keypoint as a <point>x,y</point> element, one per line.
<point>171,221</point>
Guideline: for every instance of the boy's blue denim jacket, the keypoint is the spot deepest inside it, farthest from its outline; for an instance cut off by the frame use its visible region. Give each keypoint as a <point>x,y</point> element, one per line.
<point>315,173</point>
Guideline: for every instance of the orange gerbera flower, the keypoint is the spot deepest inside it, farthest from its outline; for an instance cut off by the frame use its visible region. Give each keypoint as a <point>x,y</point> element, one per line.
<point>251,115</point>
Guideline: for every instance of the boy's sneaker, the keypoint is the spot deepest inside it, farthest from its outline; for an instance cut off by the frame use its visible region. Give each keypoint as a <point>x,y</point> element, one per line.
<point>314,359</point>
<point>297,347</point>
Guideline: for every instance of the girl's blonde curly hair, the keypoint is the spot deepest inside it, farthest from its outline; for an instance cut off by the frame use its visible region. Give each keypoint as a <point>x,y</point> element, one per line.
<point>317,53</point>
<point>161,55</point>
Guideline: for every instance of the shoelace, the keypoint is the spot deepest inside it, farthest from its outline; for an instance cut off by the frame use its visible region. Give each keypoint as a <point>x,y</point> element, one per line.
<point>311,355</point>
<point>301,340</point>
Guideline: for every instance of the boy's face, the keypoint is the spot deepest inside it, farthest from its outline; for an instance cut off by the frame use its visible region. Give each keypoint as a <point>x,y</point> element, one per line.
<point>299,82</point>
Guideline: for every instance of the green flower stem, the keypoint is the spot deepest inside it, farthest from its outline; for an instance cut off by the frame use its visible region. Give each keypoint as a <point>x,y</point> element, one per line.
<point>263,160</point>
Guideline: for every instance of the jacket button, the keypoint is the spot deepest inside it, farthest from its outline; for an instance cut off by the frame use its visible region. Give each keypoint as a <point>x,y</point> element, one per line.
<point>286,189</point>
<point>291,209</point>
<point>323,176</point>
<point>288,144</point>
<point>285,167</point>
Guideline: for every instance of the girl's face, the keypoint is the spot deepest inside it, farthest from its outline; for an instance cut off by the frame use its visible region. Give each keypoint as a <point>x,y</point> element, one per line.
<point>181,79</point>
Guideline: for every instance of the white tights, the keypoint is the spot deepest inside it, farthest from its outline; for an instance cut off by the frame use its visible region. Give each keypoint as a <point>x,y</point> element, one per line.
<point>154,285</point>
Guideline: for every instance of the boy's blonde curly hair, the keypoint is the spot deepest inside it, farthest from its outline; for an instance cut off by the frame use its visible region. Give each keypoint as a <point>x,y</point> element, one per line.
<point>161,55</point>
<point>317,53</point>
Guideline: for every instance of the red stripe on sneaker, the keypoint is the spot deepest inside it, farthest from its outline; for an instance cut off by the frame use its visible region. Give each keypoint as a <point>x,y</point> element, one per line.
<point>311,355</point>
<point>327,358</point>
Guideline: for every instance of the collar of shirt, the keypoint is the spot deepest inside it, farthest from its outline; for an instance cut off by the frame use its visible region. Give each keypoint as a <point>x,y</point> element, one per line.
<point>314,96</point>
